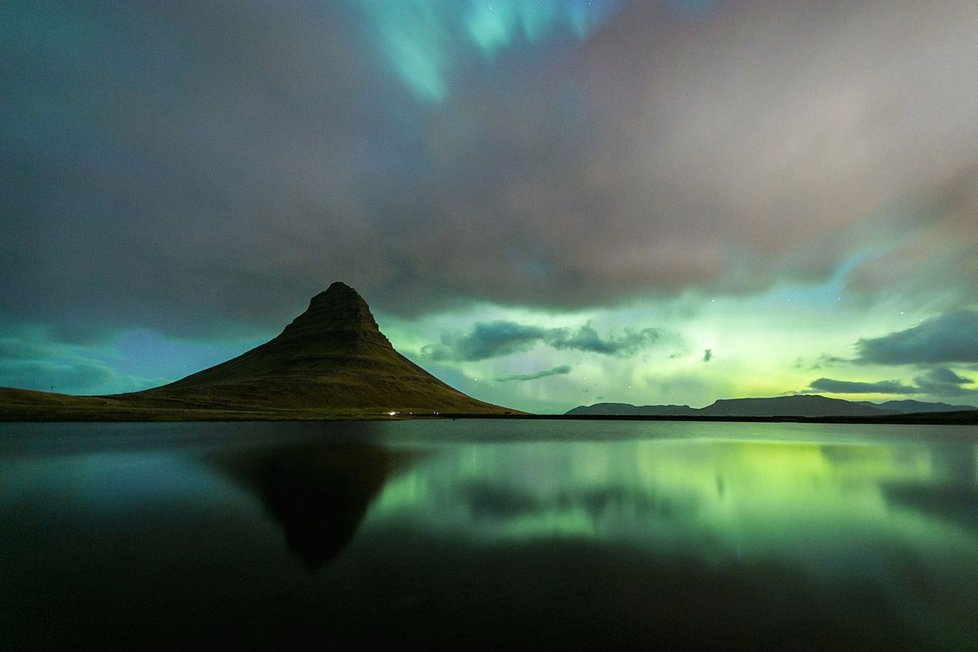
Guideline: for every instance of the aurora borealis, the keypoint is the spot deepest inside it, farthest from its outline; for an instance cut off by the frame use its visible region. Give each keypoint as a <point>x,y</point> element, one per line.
<point>546,203</point>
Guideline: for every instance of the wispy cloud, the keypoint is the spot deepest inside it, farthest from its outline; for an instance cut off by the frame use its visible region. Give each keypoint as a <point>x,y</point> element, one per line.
<point>585,338</point>
<point>556,371</point>
<point>44,365</point>
<point>486,340</point>
<point>499,338</point>
<point>855,387</point>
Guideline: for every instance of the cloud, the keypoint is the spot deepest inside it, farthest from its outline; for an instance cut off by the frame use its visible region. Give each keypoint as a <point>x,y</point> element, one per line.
<point>934,264</point>
<point>945,376</point>
<point>38,358</point>
<point>556,371</point>
<point>854,387</point>
<point>209,165</point>
<point>499,338</point>
<point>951,337</point>
<point>585,338</point>
<point>941,381</point>
<point>486,340</point>
<point>70,377</point>
<point>66,369</point>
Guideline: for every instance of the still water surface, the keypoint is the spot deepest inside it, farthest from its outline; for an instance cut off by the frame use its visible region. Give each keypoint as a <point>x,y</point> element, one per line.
<point>534,534</point>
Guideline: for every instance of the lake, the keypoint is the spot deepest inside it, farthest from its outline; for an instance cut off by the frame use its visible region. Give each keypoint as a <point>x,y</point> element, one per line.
<point>488,534</point>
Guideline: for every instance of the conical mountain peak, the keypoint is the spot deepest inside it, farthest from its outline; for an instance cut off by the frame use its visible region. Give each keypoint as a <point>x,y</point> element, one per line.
<point>338,295</point>
<point>338,314</point>
<point>331,358</point>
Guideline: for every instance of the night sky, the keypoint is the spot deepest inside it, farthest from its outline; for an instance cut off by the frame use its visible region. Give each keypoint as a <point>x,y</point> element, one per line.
<point>546,203</point>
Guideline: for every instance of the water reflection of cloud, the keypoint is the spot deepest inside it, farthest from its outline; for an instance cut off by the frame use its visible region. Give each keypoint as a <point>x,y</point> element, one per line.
<point>949,503</point>
<point>710,544</point>
<point>722,498</point>
<point>498,502</point>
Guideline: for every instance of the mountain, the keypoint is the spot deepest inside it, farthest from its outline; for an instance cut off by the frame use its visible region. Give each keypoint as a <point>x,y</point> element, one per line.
<point>806,406</point>
<point>331,356</point>
<point>332,360</point>
<point>912,407</point>
<point>625,409</point>
<point>802,405</point>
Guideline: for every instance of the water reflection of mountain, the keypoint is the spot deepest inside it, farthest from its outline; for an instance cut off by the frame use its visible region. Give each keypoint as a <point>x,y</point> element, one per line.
<point>497,502</point>
<point>317,494</point>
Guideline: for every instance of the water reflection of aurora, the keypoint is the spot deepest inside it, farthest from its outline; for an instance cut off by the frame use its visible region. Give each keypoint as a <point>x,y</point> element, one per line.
<point>831,507</point>
<point>548,534</point>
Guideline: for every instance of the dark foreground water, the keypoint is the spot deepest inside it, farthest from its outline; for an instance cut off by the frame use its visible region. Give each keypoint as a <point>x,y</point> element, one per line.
<point>491,534</point>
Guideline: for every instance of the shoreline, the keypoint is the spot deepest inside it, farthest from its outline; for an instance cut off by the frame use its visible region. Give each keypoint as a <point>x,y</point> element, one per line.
<point>10,414</point>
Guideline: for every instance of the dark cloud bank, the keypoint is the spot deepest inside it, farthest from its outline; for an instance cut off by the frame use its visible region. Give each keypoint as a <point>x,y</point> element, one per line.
<point>951,337</point>
<point>855,387</point>
<point>167,164</point>
<point>939,381</point>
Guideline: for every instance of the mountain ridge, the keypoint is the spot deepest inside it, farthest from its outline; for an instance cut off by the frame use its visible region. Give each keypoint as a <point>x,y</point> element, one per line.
<point>798,405</point>
<point>910,406</point>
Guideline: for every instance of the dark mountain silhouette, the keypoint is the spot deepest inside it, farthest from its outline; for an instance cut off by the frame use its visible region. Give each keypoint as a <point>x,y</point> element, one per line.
<point>331,356</point>
<point>802,405</point>
<point>910,406</point>
<point>332,360</point>
<point>625,409</point>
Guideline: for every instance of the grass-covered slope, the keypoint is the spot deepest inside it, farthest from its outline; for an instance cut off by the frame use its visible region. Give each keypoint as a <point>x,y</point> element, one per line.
<point>331,356</point>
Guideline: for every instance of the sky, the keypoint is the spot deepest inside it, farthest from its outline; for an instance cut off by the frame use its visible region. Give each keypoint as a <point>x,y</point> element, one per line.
<point>545,203</point>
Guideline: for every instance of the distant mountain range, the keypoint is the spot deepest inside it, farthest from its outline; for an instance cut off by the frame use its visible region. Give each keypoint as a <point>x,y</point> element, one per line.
<point>913,407</point>
<point>800,405</point>
<point>332,360</point>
